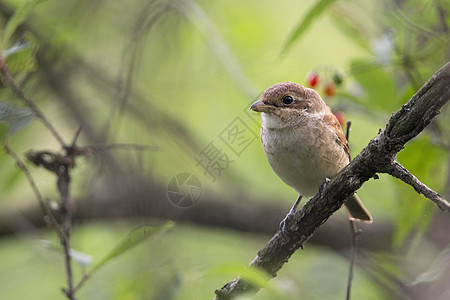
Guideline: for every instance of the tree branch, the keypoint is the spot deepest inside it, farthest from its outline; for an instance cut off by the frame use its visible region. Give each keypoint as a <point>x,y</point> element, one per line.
<point>398,171</point>
<point>27,101</point>
<point>377,157</point>
<point>48,215</point>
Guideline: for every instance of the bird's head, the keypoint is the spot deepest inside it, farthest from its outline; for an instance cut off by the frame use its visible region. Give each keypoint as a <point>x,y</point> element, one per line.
<point>287,102</point>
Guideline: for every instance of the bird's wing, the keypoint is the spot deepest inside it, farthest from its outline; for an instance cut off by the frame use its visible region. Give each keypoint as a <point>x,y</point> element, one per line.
<point>340,137</point>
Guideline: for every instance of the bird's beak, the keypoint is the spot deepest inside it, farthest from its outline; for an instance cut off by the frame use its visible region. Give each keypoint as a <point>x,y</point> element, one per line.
<point>260,106</point>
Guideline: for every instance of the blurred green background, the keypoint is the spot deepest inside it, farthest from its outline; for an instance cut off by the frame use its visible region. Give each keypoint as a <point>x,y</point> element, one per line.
<point>181,75</point>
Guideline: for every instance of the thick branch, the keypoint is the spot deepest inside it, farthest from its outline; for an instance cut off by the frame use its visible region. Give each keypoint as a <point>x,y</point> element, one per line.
<point>377,157</point>
<point>418,112</point>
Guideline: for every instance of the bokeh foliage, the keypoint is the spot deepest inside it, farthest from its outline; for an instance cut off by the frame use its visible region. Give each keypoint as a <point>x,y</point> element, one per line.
<point>176,73</point>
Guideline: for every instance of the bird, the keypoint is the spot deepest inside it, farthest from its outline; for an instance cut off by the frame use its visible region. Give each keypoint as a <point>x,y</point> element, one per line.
<point>304,143</point>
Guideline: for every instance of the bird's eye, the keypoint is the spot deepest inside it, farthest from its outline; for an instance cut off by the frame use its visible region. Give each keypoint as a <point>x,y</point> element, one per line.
<point>287,100</point>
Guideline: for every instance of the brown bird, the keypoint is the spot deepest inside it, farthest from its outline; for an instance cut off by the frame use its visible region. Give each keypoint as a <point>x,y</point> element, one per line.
<point>303,141</point>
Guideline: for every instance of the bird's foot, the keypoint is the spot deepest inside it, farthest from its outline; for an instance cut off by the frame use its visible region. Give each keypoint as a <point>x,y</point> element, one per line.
<point>323,186</point>
<point>284,223</point>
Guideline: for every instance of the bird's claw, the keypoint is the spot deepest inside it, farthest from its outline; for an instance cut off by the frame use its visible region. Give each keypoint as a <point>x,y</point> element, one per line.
<point>285,222</point>
<point>323,186</point>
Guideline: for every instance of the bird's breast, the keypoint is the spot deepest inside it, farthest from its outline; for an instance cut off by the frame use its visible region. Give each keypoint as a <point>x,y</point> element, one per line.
<point>301,156</point>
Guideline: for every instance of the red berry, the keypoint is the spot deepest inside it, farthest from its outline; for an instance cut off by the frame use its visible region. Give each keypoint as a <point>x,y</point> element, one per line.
<point>313,79</point>
<point>340,117</point>
<point>330,88</point>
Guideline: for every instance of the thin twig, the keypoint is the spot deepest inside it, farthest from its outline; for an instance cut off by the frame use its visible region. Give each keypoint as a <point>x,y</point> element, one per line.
<point>63,183</point>
<point>62,172</point>
<point>353,238</point>
<point>28,102</point>
<point>77,134</point>
<point>83,279</point>
<point>48,215</point>
<point>93,148</point>
<point>354,232</point>
<point>60,165</point>
<point>347,130</point>
<point>398,171</point>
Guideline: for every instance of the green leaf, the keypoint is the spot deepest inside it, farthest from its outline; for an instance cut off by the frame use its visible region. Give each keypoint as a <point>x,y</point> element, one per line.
<point>135,237</point>
<point>313,14</point>
<point>17,18</point>
<point>22,56</point>
<point>15,118</point>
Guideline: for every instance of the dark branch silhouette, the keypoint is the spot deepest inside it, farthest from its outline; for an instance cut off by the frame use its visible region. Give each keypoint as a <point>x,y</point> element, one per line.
<point>379,156</point>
